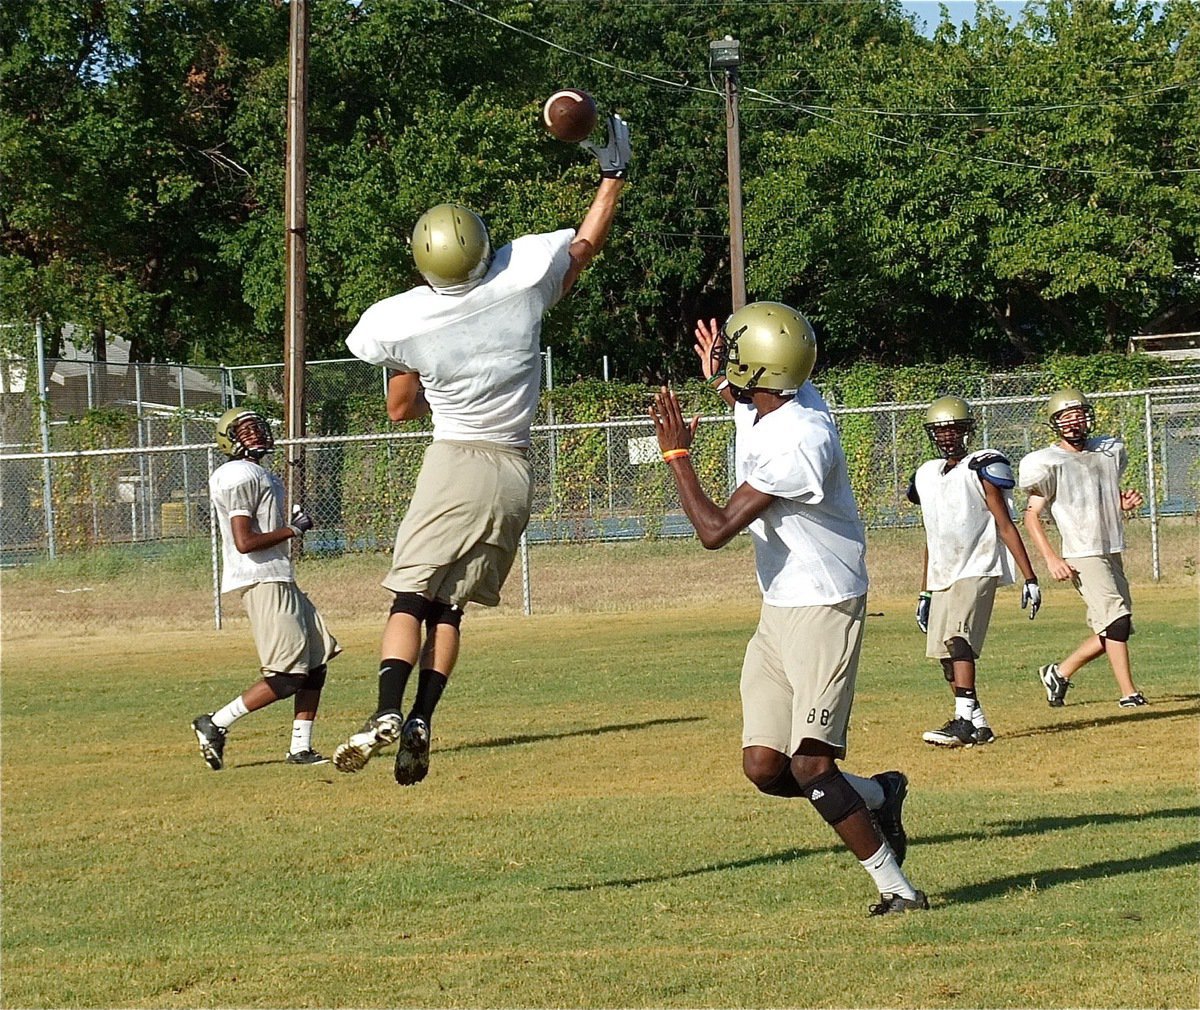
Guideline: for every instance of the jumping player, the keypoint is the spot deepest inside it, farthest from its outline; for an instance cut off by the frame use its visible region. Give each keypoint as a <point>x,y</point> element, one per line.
<point>294,646</point>
<point>1079,479</point>
<point>970,546</point>
<point>466,349</point>
<point>794,497</point>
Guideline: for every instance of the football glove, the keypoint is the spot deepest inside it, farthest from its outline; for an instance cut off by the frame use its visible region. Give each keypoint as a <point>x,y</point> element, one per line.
<point>301,522</point>
<point>923,610</point>
<point>613,156</point>
<point>1031,597</point>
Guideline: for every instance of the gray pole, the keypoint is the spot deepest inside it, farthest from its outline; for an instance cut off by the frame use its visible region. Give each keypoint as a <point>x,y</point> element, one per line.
<point>1152,493</point>
<point>44,421</point>
<point>295,312</point>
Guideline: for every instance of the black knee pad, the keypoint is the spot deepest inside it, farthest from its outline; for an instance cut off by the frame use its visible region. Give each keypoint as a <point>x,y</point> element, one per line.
<point>959,649</point>
<point>834,797</point>
<point>1119,630</point>
<point>442,613</point>
<point>316,678</point>
<point>284,685</point>
<point>948,670</point>
<point>413,604</point>
<point>783,784</point>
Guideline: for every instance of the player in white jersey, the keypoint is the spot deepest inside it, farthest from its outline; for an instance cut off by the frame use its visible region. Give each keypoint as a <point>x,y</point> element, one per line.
<point>970,546</point>
<point>1079,480</point>
<point>294,646</point>
<point>466,349</point>
<point>794,498</point>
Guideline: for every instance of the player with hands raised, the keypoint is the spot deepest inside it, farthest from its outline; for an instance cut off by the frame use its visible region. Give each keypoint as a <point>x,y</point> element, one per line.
<point>793,497</point>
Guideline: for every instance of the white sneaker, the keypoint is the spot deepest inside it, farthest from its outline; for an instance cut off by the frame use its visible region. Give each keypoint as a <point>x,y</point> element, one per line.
<point>377,733</point>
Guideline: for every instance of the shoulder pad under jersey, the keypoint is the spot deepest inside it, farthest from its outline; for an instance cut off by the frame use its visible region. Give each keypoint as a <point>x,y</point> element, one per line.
<point>995,469</point>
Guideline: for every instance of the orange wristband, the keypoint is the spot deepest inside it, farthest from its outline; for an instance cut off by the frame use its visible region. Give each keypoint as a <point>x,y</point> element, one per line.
<point>671,454</point>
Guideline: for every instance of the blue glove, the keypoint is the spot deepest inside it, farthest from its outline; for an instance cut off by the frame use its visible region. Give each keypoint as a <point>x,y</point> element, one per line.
<point>923,610</point>
<point>1031,596</point>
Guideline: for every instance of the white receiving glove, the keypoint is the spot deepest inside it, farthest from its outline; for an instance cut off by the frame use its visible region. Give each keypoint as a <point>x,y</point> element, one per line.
<point>1031,596</point>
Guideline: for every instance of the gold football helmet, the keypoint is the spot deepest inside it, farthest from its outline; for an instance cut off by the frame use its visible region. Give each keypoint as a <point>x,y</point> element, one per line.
<point>1066,401</point>
<point>244,434</point>
<point>948,422</point>
<point>767,345</point>
<point>451,248</point>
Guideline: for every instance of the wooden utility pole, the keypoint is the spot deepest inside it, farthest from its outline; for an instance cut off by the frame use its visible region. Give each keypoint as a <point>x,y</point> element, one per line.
<point>296,249</point>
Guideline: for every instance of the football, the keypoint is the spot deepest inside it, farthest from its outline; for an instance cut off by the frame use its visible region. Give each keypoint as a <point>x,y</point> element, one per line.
<point>569,115</point>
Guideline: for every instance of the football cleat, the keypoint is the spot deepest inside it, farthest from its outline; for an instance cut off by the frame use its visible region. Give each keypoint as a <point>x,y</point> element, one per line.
<point>956,733</point>
<point>1134,700</point>
<point>212,741</point>
<point>1055,685</point>
<point>306,757</point>
<point>412,759</point>
<point>889,903</point>
<point>377,733</point>
<point>888,816</point>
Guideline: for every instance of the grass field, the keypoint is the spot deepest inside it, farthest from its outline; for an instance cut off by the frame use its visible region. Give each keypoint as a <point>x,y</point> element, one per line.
<point>585,837</point>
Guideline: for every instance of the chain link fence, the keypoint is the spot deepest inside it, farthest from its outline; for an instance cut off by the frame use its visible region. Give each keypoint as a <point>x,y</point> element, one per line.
<point>595,483</point>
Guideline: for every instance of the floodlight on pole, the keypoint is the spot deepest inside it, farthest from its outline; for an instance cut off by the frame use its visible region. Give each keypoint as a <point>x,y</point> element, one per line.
<point>725,55</point>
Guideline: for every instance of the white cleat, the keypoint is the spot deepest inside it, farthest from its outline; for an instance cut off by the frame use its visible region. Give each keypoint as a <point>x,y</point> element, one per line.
<point>377,733</point>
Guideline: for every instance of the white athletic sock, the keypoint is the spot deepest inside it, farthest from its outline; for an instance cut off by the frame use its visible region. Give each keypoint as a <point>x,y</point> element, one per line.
<point>964,707</point>
<point>230,714</point>
<point>977,717</point>
<point>301,735</point>
<point>870,790</point>
<point>886,873</point>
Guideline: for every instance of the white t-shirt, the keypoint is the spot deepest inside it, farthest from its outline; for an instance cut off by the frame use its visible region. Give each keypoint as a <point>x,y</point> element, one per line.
<point>959,528</point>
<point>244,488</point>
<point>478,354</point>
<point>1083,490</point>
<point>809,546</point>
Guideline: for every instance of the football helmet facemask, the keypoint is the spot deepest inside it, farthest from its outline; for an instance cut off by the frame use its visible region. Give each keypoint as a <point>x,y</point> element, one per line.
<point>244,434</point>
<point>766,345</point>
<point>948,423</point>
<point>451,248</point>
<point>1074,430</point>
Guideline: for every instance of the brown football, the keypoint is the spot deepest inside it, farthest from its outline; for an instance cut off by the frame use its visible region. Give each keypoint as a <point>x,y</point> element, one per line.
<point>569,115</point>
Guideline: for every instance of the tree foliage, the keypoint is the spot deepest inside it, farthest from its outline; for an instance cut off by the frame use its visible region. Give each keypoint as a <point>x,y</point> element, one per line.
<point>1000,190</point>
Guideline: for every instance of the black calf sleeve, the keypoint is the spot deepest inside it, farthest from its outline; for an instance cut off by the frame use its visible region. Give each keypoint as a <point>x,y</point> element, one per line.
<point>393,679</point>
<point>834,797</point>
<point>430,685</point>
<point>948,670</point>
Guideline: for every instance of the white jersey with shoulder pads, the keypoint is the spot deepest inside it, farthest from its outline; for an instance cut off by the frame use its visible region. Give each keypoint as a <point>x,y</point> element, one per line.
<point>242,487</point>
<point>960,530</point>
<point>479,353</point>
<point>809,544</point>
<point>1083,490</point>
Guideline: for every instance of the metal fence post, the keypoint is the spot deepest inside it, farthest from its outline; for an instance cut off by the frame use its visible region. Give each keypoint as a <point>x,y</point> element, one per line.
<point>44,421</point>
<point>214,553</point>
<point>1152,490</point>
<point>526,588</point>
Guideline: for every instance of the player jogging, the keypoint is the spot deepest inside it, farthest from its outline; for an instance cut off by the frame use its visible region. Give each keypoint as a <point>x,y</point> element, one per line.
<point>970,546</point>
<point>794,497</point>
<point>294,646</point>
<point>465,348</point>
<point>1079,479</point>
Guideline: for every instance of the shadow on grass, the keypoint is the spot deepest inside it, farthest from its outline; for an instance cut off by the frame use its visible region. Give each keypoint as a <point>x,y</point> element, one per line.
<point>1179,856</point>
<point>1155,711</point>
<point>510,741</point>
<point>1035,880</point>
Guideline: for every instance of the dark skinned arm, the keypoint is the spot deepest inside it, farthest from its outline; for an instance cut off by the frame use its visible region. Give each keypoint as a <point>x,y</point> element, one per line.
<point>247,539</point>
<point>1005,528</point>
